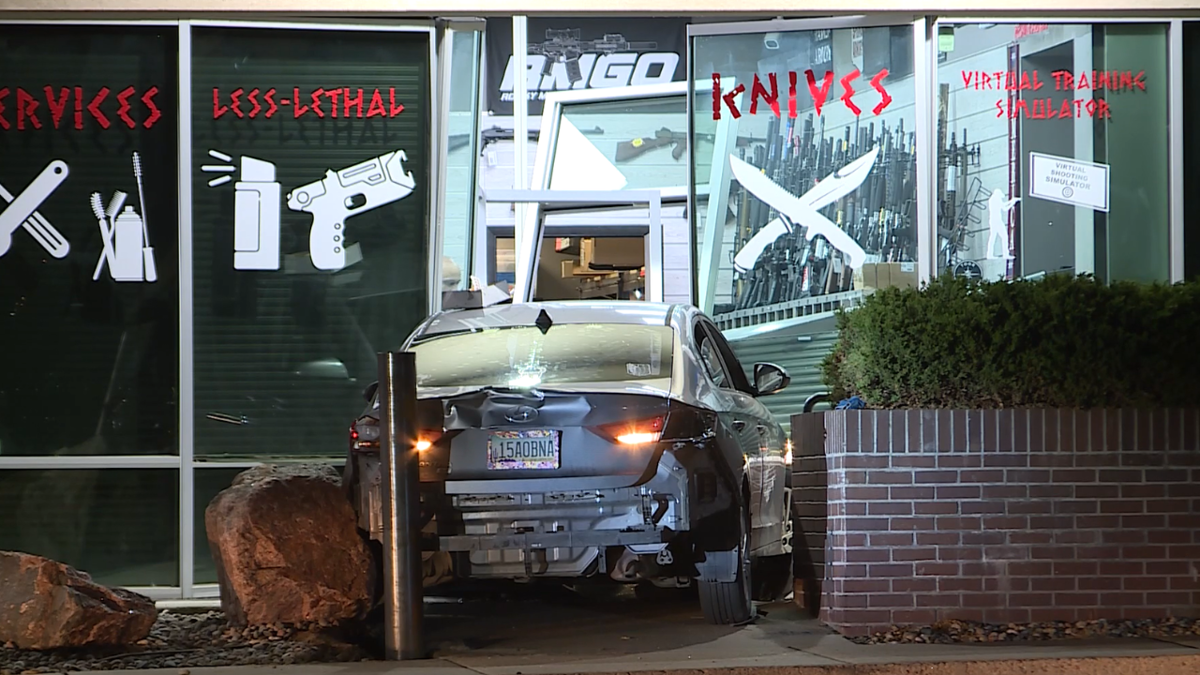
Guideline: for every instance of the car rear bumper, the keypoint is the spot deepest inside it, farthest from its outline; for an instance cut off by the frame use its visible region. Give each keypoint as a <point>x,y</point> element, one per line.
<point>553,540</point>
<point>558,533</point>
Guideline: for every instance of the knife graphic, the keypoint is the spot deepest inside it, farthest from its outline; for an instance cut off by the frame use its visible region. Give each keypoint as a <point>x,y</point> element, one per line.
<point>803,210</point>
<point>22,211</point>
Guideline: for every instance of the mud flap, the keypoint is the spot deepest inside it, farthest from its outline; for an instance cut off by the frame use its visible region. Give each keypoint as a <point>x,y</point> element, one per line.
<point>718,566</point>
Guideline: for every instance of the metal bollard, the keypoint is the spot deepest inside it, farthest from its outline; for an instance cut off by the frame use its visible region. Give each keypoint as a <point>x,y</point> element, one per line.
<point>403,593</point>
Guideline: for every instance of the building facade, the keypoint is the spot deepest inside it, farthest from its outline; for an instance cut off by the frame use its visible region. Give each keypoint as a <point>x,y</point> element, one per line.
<point>302,189</point>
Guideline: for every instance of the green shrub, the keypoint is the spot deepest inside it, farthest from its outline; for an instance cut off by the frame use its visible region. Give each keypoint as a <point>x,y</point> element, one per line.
<point>1061,341</point>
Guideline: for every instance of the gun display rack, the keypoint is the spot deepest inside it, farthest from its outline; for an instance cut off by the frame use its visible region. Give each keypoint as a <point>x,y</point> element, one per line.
<point>961,196</point>
<point>880,215</point>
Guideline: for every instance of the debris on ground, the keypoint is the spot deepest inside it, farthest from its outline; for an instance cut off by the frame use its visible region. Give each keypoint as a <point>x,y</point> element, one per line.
<point>951,632</point>
<point>185,640</point>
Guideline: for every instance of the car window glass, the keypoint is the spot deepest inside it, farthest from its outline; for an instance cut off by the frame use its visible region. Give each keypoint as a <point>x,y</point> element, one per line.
<point>523,356</point>
<point>739,379</point>
<point>712,360</point>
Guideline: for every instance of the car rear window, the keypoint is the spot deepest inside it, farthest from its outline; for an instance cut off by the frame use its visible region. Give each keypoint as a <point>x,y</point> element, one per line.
<point>522,356</point>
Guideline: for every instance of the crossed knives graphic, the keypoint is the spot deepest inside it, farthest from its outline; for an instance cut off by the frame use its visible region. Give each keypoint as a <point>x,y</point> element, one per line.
<point>22,211</point>
<point>802,210</point>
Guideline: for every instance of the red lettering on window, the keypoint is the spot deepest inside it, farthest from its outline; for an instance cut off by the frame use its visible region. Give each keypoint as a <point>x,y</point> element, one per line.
<point>757,90</point>
<point>253,98</point>
<point>59,106</point>
<point>819,96</point>
<point>355,102</point>
<point>235,102</point>
<point>393,107</point>
<point>123,111</point>
<point>3,122</point>
<point>27,107</point>
<point>316,101</point>
<point>218,109</point>
<point>334,95</point>
<point>93,107</point>
<point>716,95</point>
<point>792,94</point>
<point>376,108</point>
<point>729,103</point>
<point>155,113</point>
<point>272,107</point>
<point>848,91</point>
<point>298,108</point>
<point>885,99</point>
<point>78,108</point>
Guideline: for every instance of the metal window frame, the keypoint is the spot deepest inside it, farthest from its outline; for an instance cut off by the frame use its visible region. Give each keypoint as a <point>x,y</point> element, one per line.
<point>1175,149</point>
<point>553,106</point>
<point>479,28</point>
<point>925,63</point>
<point>587,200</point>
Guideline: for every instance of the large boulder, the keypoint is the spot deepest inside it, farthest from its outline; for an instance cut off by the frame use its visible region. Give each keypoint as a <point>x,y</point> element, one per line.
<point>48,605</point>
<point>287,549</point>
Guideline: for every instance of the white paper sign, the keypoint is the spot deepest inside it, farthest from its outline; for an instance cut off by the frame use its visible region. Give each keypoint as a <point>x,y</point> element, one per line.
<point>1068,181</point>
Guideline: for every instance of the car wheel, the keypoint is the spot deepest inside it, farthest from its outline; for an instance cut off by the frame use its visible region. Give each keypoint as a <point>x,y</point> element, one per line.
<point>728,602</point>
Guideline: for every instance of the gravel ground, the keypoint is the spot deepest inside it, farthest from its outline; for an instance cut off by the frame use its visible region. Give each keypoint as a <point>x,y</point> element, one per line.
<point>950,632</point>
<point>187,640</point>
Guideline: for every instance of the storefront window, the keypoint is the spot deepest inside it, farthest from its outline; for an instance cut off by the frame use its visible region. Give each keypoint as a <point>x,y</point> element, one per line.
<point>818,194</point>
<point>310,221</point>
<point>119,525</point>
<point>89,290</point>
<point>462,159</point>
<point>1053,150</point>
<point>633,144</point>
<point>1191,148</point>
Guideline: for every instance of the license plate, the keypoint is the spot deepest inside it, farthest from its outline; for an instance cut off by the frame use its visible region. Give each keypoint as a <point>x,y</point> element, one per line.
<point>523,449</point>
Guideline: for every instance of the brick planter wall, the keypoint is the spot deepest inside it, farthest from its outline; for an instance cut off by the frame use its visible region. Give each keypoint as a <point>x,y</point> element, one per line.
<point>999,515</point>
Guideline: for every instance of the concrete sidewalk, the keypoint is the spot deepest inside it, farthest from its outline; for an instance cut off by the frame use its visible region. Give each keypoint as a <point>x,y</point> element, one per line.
<point>765,650</point>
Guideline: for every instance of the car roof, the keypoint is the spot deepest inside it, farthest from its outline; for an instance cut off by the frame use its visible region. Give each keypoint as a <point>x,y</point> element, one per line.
<point>631,312</point>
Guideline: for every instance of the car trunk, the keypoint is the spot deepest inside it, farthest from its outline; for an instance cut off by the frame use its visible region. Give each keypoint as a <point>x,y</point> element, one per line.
<point>518,441</point>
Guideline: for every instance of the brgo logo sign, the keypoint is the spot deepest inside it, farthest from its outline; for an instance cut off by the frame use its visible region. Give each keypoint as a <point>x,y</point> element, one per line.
<point>591,71</point>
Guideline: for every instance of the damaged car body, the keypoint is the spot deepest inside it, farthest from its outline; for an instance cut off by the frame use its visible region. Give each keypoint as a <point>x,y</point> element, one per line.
<point>581,442</point>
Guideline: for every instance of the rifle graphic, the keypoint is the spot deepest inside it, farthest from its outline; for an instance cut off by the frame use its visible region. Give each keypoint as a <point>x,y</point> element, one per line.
<point>632,149</point>
<point>628,150</point>
<point>564,45</point>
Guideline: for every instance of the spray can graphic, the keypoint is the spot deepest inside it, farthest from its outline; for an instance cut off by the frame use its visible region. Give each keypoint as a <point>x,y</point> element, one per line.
<point>256,217</point>
<point>127,246</point>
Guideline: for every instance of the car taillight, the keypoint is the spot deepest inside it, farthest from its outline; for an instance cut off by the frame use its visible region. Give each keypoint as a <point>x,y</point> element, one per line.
<point>635,432</point>
<point>364,436</point>
<point>426,438</point>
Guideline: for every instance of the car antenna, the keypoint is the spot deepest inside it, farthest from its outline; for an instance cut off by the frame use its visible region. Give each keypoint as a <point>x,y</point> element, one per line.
<point>543,322</point>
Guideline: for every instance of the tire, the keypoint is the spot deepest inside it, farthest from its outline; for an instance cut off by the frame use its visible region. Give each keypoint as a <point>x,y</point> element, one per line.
<point>727,603</point>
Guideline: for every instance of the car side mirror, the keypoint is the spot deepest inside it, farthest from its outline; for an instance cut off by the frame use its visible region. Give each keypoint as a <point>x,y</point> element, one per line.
<point>369,392</point>
<point>769,379</point>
